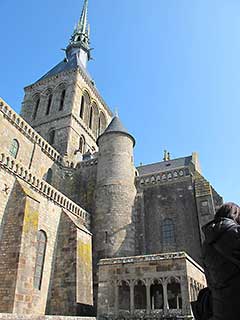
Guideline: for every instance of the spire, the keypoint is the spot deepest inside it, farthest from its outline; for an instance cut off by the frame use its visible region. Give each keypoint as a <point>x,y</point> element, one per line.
<point>82,24</point>
<point>80,39</point>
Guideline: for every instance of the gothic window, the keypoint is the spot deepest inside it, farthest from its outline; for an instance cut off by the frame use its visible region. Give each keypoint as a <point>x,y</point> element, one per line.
<point>168,234</point>
<point>156,292</point>
<point>49,104</point>
<point>174,295</point>
<point>51,136</point>
<point>81,144</point>
<point>36,109</point>
<point>40,256</point>
<point>82,107</point>
<point>102,123</point>
<point>49,176</point>
<point>140,296</point>
<point>91,118</point>
<point>14,148</point>
<point>62,100</point>
<point>124,296</point>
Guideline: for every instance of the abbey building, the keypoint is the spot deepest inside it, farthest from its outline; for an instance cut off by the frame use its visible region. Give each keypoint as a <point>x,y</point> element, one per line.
<point>83,232</point>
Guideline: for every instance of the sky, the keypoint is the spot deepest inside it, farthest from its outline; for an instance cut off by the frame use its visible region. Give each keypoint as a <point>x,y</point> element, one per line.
<point>170,67</point>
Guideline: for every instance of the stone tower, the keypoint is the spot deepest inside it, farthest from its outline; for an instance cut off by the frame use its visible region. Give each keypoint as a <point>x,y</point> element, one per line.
<point>64,105</point>
<point>113,228</point>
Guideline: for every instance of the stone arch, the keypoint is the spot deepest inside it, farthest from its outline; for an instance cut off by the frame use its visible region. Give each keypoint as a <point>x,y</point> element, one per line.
<point>124,295</point>
<point>174,293</point>
<point>14,148</point>
<point>82,144</point>
<point>49,100</point>
<point>60,94</point>
<point>36,103</point>
<point>140,300</point>
<point>156,293</point>
<point>40,257</point>
<point>85,106</point>
<point>95,118</point>
<point>51,136</point>
<point>102,124</point>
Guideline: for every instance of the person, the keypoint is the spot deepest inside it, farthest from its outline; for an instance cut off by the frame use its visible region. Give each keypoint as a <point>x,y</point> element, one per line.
<point>221,259</point>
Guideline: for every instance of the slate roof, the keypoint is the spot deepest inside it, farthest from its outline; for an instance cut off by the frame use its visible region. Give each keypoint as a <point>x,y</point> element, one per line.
<point>164,165</point>
<point>117,126</point>
<point>65,65</point>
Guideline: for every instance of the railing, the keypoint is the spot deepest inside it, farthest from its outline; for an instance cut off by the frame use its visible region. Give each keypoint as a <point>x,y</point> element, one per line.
<point>28,131</point>
<point>43,187</point>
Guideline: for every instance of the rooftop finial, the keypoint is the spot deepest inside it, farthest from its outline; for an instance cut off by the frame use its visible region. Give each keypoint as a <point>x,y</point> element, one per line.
<point>166,156</point>
<point>116,112</point>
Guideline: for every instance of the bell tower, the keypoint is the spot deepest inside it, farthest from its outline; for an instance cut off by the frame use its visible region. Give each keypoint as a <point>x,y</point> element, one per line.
<point>64,105</point>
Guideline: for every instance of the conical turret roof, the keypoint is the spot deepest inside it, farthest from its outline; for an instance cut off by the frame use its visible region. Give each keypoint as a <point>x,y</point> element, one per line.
<point>116,126</point>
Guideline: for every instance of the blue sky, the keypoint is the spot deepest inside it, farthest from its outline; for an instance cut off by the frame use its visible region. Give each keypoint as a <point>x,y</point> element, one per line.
<point>171,67</point>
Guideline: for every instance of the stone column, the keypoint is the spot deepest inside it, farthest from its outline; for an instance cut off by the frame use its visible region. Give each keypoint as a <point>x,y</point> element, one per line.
<point>132,297</point>
<point>185,295</point>
<point>148,285</point>
<point>165,298</point>
<point>116,300</point>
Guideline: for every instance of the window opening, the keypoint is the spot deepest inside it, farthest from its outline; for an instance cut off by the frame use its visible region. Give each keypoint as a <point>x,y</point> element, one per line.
<point>14,148</point>
<point>82,107</point>
<point>174,295</point>
<point>49,104</point>
<point>168,232</point>
<point>40,257</point>
<point>36,108</point>
<point>62,100</point>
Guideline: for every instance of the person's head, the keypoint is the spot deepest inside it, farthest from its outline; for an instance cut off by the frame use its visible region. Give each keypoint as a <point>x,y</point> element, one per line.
<point>229,210</point>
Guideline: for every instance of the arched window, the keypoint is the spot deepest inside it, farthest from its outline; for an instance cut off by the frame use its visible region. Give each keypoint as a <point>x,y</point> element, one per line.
<point>51,136</point>
<point>124,296</point>
<point>82,144</point>
<point>91,118</point>
<point>49,104</point>
<point>168,234</point>
<point>82,107</point>
<point>174,294</point>
<point>62,100</point>
<point>14,148</point>
<point>156,292</point>
<point>49,176</point>
<point>102,123</point>
<point>140,301</point>
<point>36,108</point>
<point>40,257</point>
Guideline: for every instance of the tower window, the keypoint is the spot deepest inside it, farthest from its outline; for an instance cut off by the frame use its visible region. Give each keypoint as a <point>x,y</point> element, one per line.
<point>36,109</point>
<point>168,234</point>
<point>51,136</point>
<point>49,176</point>
<point>81,144</point>
<point>62,100</point>
<point>91,118</point>
<point>14,148</point>
<point>40,257</point>
<point>82,107</point>
<point>49,104</point>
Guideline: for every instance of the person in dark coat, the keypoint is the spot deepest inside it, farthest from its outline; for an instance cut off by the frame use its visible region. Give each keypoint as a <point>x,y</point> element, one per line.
<point>221,258</point>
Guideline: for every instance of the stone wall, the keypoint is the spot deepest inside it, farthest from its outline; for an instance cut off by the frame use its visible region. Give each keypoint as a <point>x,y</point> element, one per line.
<point>171,201</point>
<point>150,286</point>
<point>26,208</point>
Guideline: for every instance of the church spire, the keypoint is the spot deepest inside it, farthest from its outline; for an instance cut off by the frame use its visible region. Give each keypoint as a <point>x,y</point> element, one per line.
<point>80,39</point>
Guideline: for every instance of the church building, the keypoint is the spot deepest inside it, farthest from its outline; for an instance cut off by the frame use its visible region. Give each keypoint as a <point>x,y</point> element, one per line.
<point>83,232</point>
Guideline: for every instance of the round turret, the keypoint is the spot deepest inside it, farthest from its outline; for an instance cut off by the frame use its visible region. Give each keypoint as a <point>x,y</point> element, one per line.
<point>113,227</point>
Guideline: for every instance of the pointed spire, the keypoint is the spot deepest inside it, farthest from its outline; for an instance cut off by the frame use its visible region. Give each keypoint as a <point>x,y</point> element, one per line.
<point>82,24</point>
<point>80,39</point>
